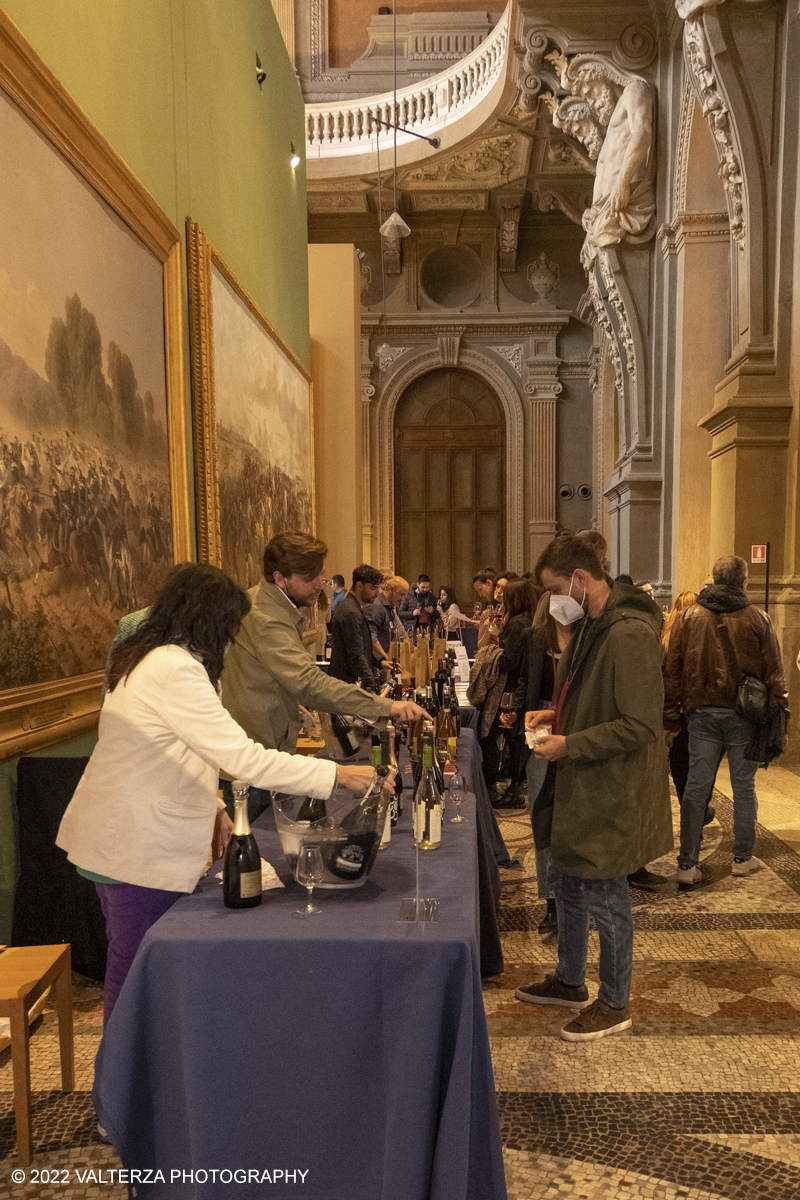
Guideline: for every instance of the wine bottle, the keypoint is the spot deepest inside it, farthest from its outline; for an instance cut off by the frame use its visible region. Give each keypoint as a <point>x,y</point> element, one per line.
<point>241,866</point>
<point>398,778</point>
<point>351,856</point>
<point>391,807</point>
<point>427,804</point>
<point>345,735</point>
<point>312,809</point>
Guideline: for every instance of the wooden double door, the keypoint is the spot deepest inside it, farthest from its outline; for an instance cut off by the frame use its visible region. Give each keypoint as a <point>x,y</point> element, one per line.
<point>449,471</point>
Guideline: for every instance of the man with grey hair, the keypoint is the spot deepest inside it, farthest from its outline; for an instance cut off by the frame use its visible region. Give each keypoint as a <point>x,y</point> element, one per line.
<point>382,616</point>
<point>714,645</point>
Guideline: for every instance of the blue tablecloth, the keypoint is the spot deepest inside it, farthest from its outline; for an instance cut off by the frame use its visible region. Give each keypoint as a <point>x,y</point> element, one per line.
<point>469,716</point>
<point>349,1045</point>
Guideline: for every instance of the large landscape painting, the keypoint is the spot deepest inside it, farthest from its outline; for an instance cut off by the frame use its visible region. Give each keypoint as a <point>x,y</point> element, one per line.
<point>263,430</point>
<point>85,510</point>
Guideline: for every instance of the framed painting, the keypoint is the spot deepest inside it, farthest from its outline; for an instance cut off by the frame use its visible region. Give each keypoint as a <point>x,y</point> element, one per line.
<point>93,470</point>
<point>253,420</point>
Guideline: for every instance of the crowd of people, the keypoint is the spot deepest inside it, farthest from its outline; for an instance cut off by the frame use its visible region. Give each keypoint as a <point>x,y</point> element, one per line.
<point>582,688</point>
<point>614,695</point>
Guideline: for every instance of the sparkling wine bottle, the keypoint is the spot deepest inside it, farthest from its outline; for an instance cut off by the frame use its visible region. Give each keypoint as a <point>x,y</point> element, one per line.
<point>312,809</point>
<point>427,804</point>
<point>350,856</point>
<point>391,807</point>
<point>241,866</point>
<point>398,778</point>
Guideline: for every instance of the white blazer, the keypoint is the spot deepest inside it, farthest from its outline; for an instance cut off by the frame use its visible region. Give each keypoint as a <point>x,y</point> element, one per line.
<point>145,807</point>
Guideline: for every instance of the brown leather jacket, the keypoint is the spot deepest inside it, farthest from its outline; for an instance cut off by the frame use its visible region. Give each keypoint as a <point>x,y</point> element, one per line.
<point>696,672</point>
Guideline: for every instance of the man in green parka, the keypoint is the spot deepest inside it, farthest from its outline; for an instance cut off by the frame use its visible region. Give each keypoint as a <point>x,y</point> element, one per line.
<point>611,810</point>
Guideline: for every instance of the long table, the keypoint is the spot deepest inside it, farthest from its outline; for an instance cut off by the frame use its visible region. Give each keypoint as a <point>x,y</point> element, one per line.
<point>349,1045</point>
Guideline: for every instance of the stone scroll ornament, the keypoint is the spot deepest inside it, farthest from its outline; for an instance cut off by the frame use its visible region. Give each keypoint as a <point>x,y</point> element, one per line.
<point>610,111</point>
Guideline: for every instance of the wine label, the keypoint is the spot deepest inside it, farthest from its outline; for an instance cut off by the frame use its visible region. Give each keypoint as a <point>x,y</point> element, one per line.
<point>435,834</point>
<point>350,858</point>
<point>250,884</point>
<point>452,748</point>
<point>442,748</point>
<point>419,822</point>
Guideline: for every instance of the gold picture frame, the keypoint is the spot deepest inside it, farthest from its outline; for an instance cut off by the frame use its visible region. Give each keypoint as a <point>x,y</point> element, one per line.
<point>203,261</point>
<point>40,714</point>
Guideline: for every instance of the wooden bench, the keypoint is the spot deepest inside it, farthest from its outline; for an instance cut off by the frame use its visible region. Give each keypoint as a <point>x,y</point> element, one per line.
<point>26,972</point>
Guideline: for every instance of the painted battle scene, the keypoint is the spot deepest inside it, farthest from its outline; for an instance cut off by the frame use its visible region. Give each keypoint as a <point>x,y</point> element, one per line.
<point>263,437</point>
<point>85,510</point>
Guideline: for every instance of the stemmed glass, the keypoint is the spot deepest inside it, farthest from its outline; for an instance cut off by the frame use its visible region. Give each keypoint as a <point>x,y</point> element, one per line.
<point>308,872</point>
<point>457,793</point>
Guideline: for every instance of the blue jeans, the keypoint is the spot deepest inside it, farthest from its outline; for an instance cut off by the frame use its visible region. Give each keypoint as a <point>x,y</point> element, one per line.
<point>712,730</point>
<point>258,800</point>
<point>609,902</point>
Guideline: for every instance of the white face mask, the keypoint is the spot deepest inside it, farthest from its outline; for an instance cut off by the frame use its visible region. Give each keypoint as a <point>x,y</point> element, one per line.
<point>566,609</point>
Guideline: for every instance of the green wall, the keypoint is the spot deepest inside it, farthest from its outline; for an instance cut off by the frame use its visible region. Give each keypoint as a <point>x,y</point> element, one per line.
<point>171,84</point>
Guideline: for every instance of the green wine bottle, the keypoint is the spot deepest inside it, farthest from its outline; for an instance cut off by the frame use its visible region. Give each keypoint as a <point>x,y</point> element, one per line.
<point>427,804</point>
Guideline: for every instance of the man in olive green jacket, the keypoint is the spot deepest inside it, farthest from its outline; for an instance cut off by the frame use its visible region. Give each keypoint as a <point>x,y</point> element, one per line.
<point>611,811</point>
<point>268,671</point>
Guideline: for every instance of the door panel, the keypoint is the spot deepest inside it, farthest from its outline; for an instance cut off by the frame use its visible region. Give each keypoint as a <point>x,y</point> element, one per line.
<point>449,441</point>
<point>462,465</point>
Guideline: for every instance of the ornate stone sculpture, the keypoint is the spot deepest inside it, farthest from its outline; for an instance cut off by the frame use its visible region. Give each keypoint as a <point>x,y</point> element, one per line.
<point>701,71</point>
<point>604,96</point>
<point>690,8</point>
<point>543,277</point>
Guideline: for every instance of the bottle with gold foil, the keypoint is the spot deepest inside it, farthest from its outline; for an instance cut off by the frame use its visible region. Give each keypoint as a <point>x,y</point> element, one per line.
<point>241,866</point>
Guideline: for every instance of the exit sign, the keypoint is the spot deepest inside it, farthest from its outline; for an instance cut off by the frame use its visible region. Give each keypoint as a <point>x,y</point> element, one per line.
<point>758,554</point>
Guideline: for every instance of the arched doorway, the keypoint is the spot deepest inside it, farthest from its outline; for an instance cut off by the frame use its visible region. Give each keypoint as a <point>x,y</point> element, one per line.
<point>449,473</point>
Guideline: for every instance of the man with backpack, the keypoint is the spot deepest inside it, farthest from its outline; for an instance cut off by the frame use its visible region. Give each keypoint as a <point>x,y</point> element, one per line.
<point>724,674</point>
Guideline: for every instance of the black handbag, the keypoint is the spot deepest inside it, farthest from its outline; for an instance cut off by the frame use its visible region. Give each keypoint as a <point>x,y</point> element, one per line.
<point>752,696</point>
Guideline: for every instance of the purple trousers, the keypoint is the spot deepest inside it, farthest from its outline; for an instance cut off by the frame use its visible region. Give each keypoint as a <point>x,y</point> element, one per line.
<point>129,911</point>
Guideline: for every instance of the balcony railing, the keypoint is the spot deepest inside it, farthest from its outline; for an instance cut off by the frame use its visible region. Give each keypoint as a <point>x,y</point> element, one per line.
<point>340,128</point>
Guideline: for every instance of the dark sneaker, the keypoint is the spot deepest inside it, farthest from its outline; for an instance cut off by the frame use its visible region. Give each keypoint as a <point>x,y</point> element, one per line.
<point>646,880</point>
<point>552,991</point>
<point>596,1021</point>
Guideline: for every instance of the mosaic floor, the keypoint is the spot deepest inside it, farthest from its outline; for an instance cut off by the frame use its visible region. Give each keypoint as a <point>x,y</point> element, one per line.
<point>701,1097</point>
<point>699,1100</point>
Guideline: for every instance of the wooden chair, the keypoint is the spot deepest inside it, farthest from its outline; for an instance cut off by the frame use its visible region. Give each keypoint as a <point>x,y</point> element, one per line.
<point>25,974</point>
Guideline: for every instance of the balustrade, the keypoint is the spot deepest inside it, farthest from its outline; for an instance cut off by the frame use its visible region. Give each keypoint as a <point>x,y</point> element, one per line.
<point>336,128</point>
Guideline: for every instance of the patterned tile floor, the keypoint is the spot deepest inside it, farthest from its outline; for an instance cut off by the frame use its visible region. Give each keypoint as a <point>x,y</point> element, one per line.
<point>699,1100</point>
<point>701,1097</point>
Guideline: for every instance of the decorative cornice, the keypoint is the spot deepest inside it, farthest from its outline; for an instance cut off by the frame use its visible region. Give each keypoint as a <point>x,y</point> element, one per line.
<point>544,327</point>
<point>693,227</point>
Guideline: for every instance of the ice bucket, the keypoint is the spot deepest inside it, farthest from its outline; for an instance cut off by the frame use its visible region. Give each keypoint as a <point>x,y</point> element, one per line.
<point>349,851</point>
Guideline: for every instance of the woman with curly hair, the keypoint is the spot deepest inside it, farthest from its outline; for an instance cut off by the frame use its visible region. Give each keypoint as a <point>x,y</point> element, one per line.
<point>142,818</point>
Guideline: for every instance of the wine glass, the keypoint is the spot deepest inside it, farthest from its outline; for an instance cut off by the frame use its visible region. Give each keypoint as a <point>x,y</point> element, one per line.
<point>507,703</point>
<point>477,609</point>
<point>308,872</point>
<point>457,793</point>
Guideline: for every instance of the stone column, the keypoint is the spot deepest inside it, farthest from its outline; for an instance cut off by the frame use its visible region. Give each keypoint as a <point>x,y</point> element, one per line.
<point>367,528</point>
<point>541,418</point>
<point>541,389</point>
<point>701,245</point>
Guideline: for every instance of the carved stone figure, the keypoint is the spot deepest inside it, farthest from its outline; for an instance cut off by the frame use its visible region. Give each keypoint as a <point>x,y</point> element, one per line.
<point>605,96</point>
<point>690,8</point>
<point>543,276</point>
